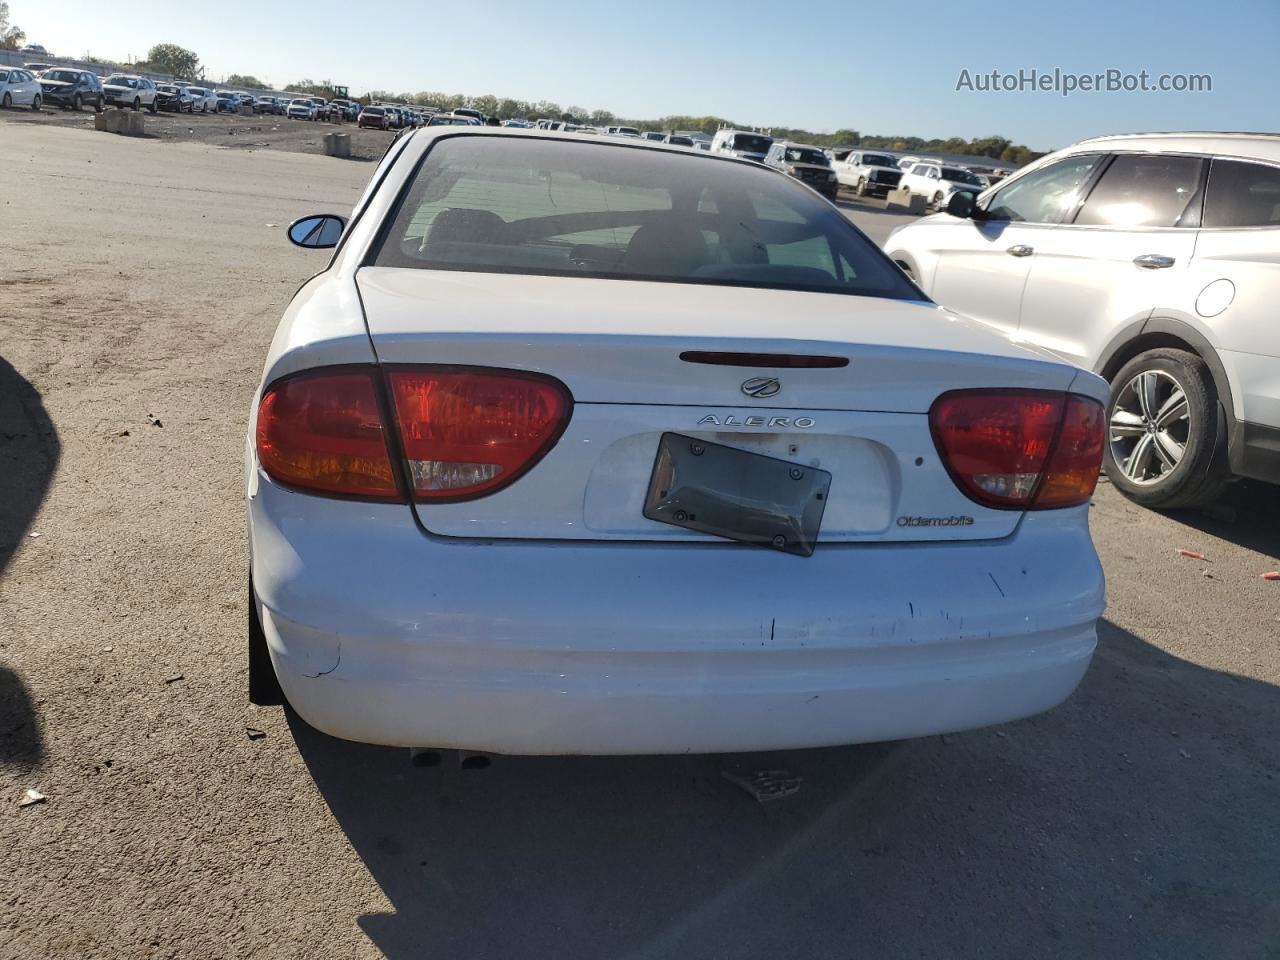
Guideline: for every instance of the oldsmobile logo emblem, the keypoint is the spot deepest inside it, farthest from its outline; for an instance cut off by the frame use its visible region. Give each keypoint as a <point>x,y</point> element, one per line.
<point>761,387</point>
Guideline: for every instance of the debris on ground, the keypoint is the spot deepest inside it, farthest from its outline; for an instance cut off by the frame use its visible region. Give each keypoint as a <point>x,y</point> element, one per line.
<point>1185,755</point>
<point>175,678</point>
<point>32,797</point>
<point>1194,555</point>
<point>154,420</point>
<point>1271,575</point>
<point>766,785</point>
<point>253,733</point>
<point>123,433</point>
<point>33,535</point>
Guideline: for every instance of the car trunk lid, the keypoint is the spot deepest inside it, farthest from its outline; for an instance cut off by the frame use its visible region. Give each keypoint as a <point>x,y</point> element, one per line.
<point>634,357</point>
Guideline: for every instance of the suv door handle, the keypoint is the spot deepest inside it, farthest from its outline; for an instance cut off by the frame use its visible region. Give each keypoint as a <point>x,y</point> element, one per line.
<point>1020,250</point>
<point>1154,261</point>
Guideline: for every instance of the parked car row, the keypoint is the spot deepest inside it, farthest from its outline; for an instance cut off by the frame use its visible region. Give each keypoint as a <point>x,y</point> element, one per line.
<point>37,85</point>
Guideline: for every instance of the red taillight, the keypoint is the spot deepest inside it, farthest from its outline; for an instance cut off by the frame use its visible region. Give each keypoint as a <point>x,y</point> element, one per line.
<point>322,432</point>
<point>467,432</point>
<point>1019,449</point>
<point>1077,456</point>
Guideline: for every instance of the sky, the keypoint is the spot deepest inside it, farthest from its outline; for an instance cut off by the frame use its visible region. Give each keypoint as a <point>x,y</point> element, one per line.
<point>820,65</point>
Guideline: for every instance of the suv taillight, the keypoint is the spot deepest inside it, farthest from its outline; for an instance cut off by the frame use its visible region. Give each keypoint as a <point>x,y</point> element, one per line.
<point>469,431</point>
<point>465,432</point>
<point>1020,449</point>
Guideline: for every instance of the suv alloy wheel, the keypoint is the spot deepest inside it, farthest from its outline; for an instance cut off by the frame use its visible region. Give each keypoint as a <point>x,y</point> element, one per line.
<point>1163,432</point>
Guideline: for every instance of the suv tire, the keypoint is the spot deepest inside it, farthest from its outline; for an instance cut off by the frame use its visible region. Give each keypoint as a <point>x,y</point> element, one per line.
<point>37,103</point>
<point>76,103</point>
<point>1164,410</point>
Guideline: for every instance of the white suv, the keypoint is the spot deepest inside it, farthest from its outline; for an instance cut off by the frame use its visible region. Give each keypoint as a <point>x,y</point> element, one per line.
<point>128,91</point>
<point>937,181</point>
<point>1154,260</point>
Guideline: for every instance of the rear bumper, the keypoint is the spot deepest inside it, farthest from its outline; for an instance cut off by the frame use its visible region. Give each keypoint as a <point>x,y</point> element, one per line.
<point>383,634</point>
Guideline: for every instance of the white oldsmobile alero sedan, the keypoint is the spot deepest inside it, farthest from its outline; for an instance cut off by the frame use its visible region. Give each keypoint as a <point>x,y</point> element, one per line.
<point>586,446</point>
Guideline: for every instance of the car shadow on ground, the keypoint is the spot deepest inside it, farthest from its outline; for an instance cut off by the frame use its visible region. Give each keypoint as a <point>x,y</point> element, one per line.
<point>29,452</point>
<point>1247,514</point>
<point>1136,820</point>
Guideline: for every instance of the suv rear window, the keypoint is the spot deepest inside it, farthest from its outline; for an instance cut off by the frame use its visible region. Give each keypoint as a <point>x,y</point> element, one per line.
<point>1242,195</point>
<point>750,143</point>
<point>572,208</point>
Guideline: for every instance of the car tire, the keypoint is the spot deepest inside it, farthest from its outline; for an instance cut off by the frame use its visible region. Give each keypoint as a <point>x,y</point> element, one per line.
<point>76,103</point>
<point>137,104</point>
<point>1164,412</point>
<point>37,103</point>
<point>7,102</point>
<point>152,107</point>
<point>936,203</point>
<point>204,108</point>
<point>264,685</point>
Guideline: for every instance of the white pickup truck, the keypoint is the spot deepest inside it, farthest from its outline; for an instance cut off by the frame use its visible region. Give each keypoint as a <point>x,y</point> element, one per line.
<point>867,172</point>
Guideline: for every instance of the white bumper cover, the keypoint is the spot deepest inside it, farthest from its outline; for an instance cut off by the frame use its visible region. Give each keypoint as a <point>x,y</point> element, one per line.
<point>380,633</point>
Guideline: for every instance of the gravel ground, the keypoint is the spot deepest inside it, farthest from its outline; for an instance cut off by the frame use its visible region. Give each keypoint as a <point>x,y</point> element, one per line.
<point>139,286</point>
<point>263,131</point>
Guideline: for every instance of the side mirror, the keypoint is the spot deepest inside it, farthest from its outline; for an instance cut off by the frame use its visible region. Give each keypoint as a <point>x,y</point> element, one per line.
<point>962,204</point>
<point>318,232</point>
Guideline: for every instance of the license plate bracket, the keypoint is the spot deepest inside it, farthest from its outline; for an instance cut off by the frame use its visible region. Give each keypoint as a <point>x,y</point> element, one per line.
<point>736,494</point>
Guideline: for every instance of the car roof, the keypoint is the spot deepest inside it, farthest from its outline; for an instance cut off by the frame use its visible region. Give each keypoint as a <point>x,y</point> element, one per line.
<point>1265,146</point>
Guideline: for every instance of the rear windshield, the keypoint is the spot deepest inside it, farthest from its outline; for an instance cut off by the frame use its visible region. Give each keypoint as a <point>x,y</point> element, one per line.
<point>751,143</point>
<point>878,160</point>
<point>956,175</point>
<point>806,155</point>
<point>568,208</point>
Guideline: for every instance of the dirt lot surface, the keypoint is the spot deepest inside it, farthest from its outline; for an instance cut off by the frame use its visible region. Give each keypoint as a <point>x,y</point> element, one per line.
<point>263,131</point>
<point>140,283</point>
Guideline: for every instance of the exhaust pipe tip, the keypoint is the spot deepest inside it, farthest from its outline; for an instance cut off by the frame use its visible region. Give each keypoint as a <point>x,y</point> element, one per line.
<point>466,760</point>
